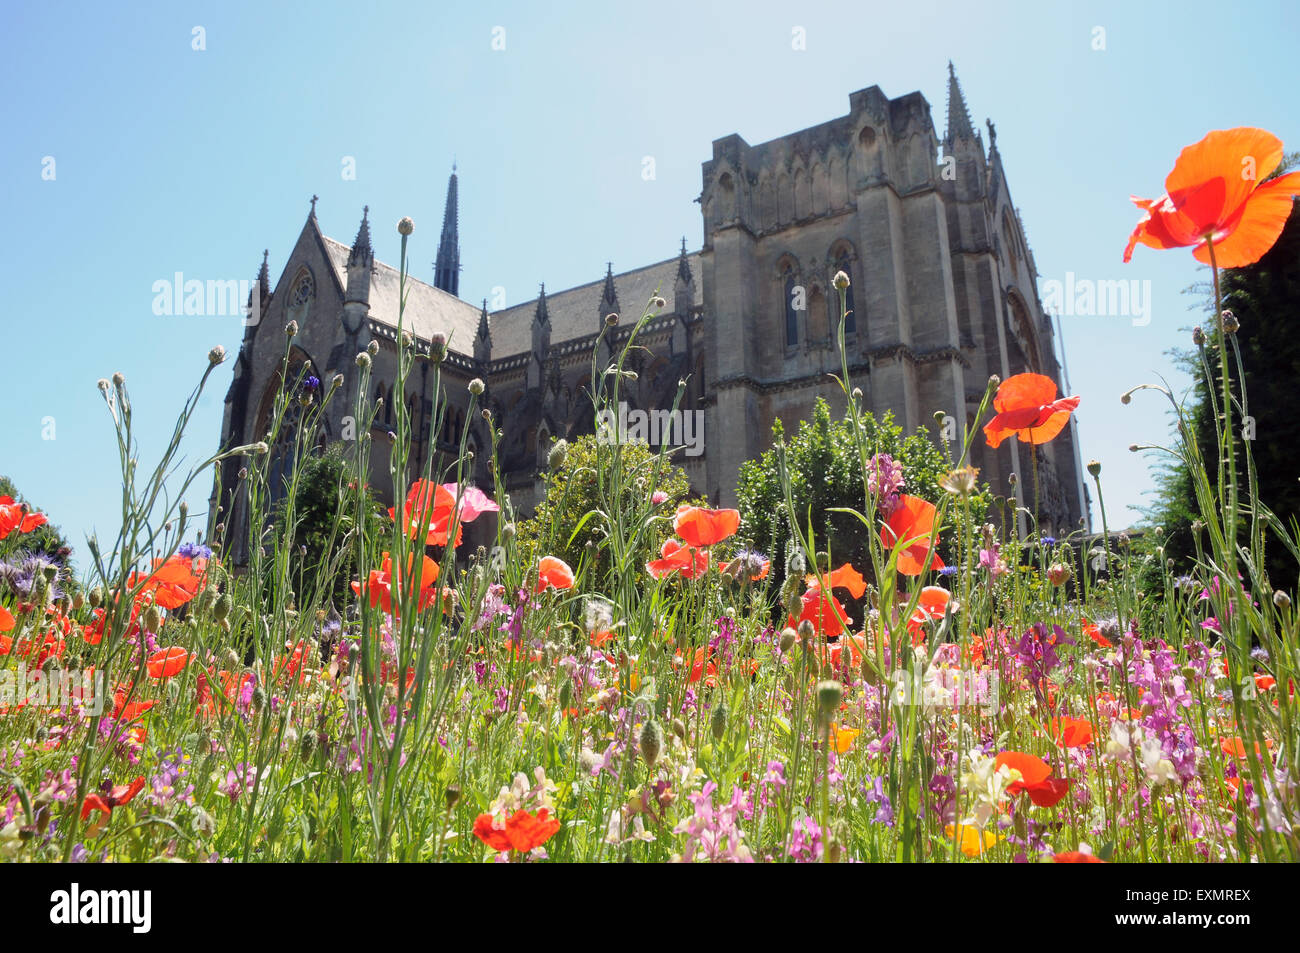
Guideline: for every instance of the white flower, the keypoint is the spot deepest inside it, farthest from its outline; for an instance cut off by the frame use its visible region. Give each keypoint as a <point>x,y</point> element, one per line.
<point>1159,769</point>
<point>987,782</point>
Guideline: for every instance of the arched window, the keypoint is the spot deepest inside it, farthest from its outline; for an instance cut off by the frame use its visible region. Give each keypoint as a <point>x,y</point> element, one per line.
<point>790,295</point>
<point>301,293</point>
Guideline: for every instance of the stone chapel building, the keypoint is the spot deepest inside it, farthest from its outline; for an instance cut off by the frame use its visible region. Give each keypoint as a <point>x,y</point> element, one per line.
<point>943,294</point>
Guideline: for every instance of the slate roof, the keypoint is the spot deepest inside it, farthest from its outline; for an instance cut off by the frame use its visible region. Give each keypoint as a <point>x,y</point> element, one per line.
<point>575,313</point>
<point>428,309</point>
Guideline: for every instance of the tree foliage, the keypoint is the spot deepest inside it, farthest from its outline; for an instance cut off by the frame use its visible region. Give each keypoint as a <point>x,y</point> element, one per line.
<point>569,514</point>
<point>826,473</point>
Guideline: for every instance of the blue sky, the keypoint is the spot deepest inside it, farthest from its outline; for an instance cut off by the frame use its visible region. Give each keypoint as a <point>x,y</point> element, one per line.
<point>173,159</point>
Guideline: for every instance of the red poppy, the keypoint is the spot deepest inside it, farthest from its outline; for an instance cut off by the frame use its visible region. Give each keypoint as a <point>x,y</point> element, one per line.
<point>173,582</point>
<point>1076,857</point>
<point>701,527</point>
<point>931,606</point>
<point>1035,778</point>
<point>1072,732</point>
<point>911,525</point>
<point>1236,748</point>
<point>1217,193</point>
<point>553,572</point>
<point>823,611</point>
<point>1027,408</point>
<point>522,832</point>
<point>14,516</point>
<point>675,557</point>
<point>382,583</point>
<point>433,508</point>
<point>6,620</point>
<point>845,577</point>
<point>1091,630</point>
<point>121,794</point>
<point>167,663</point>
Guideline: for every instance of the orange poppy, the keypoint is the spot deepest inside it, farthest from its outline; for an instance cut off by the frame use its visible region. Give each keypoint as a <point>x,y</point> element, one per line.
<point>380,584</point>
<point>1026,407</point>
<point>6,620</point>
<point>675,557</point>
<point>166,663</point>
<point>701,527</point>
<point>1236,748</point>
<point>522,831</point>
<point>1217,193</point>
<point>972,840</point>
<point>14,516</point>
<point>173,582</point>
<point>911,525</point>
<point>553,572</point>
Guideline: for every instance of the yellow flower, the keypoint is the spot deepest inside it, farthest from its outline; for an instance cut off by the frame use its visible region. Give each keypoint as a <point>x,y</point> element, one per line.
<point>974,841</point>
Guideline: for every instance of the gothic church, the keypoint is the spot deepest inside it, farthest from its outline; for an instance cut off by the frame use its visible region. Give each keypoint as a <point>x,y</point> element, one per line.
<point>943,294</point>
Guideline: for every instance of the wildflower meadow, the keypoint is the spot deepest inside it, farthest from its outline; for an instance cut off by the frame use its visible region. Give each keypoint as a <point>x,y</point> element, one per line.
<point>624,676</point>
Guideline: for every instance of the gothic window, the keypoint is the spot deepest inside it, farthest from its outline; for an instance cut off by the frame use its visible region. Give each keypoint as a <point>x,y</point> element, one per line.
<point>301,293</point>
<point>790,295</point>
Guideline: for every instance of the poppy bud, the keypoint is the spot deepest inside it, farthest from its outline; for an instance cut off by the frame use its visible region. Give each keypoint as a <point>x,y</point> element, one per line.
<point>96,597</point>
<point>806,632</point>
<point>1057,573</point>
<point>222,607</point>
<point>651,742</point>
<point>788,636</point>
<point>566,693</point>
<point>718,721</point>
<point>291,329</point>
<point>1281,600</point>
<point>679,729</point>
<point>659,304</point>
<point>476,387</point>
<point>829,696</point>
<point>216,355</point>
<point>558,454</point>
<point>1094,468</point>
<point>451,796</point>
<point>307,746</point>
<point>1229,322</point>
<point>152,619</point>
<point>405,226</point>
<point>1198,336</point>
<point>840,281</point>
<point>611,320</point>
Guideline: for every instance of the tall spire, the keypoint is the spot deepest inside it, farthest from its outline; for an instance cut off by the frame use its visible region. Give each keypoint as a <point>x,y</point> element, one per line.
<point>483,339</point>
<point>362,253</point>
<point>542,315</point>
<point>959,125</point>
<point>609,295</point>
<point>683,265</point>
<point>264,274</point>
<point>446,268</point>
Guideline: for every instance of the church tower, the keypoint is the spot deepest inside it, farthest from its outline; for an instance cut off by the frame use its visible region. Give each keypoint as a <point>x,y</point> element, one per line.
<point>446,269</point>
